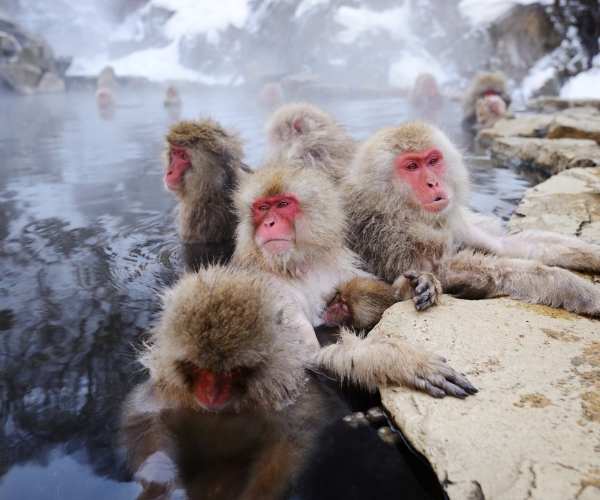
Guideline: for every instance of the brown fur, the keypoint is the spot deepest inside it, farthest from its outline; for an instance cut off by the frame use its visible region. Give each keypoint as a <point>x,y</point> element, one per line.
<point>310,274</point>
<point>481,83</point>
<point>366,300</point>
<point>206,214</point>
<point>221,319</point>
<point>393,234</point>
<point>305,135</point>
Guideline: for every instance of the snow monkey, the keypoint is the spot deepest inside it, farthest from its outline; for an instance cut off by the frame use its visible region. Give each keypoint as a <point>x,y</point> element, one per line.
<point>203,166</point>
<point>232,409</point>
<point>486,100</point>
<point>407,204</point>
<point>426,98</point>
<point>292,226</point>
<point>172,98</point>
<point>228,410</point>
<point>106,85</point>
<point>304,134</point>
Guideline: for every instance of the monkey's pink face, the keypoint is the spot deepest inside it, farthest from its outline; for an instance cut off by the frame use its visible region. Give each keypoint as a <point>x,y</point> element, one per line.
<point>274,217</point>
<point>424,172</point>
<point>179,162</point>
<point>214,390</point>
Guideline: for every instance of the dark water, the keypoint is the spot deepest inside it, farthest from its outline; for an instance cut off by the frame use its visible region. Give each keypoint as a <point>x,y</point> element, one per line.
<point>87,240</point>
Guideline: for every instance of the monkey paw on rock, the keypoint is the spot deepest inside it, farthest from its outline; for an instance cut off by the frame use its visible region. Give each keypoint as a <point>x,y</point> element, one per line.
<point>383,360</point>
<point>424,288</point>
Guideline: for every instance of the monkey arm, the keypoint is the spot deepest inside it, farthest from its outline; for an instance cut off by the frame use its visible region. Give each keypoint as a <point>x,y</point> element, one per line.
<point>475,276</point>
<point>149,445</point>
<point>383,360</point>
<point>553,249</point>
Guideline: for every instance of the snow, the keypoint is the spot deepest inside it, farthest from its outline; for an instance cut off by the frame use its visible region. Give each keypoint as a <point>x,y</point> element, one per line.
<point>585,85</point>
<point>194,17</point>
<point>357,21</point>
<point>308,5</point>
<point>480,12</point>
<point>543,71</point>
<point>157,64</point>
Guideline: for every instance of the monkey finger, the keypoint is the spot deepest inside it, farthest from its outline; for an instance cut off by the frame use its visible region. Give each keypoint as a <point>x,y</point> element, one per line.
<point>423,287</point>
<point>458,379</point>
<point>423,297</point>
<point>425,386</point>
<point>411,275</point>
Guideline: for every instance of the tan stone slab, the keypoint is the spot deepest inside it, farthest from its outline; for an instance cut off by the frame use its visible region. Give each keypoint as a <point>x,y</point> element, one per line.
<point>547,155</point>
<point>533,430</point>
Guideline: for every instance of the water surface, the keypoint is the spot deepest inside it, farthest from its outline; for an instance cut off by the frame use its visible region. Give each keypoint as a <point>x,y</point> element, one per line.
<point>87,240</point>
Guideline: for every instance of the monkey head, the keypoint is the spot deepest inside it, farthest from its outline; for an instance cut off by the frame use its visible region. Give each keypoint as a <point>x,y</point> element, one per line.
<point>289,218</point>
<point>412,166</point>
<point>199,153</point>
<point>224,343</point>
<point>426,86</point>
<point>489,109</point>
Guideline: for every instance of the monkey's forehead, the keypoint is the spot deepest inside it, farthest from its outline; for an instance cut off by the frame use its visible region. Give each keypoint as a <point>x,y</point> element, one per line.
<point>191,133</point>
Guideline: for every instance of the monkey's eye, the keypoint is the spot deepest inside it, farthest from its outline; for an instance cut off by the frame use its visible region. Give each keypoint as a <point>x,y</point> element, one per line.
<point>282,204</point>
<point>434,161</point>
<point>412,166</point>
<point>264,207</point>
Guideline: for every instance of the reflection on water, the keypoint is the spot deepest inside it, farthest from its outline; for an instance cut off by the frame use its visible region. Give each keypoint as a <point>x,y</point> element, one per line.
<point>87,239</point>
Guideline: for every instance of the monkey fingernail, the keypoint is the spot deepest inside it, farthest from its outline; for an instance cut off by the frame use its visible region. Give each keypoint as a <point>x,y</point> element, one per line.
<point>388,436</point>
<point>376,415</point>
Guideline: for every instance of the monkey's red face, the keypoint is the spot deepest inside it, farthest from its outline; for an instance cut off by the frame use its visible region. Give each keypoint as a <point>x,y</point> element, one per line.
<point>274,218</point>
<point>424,172</point>
<point>214,390</point>
<point>179,162</point>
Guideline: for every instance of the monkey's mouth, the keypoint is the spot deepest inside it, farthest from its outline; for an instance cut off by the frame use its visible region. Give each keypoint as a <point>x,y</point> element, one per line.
<point>213,390</point>
<point>438,204</point>
<point>278,245</point>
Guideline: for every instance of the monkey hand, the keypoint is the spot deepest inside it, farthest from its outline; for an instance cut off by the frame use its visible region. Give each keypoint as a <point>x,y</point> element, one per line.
<point>386,359</point>
<point>424,288</point>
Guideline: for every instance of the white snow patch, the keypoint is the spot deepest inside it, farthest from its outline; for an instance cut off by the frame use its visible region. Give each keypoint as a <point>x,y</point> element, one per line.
<point>585,85</point>
<point>360,20</point>
<point>404,71</point>
<point>192,17</point>
<point>307,5</point>
<point>157,64</point>
<point>538,75</point>
<point>479,12</point>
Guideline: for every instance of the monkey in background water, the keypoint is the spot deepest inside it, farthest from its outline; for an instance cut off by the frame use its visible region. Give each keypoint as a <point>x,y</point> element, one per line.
<point>202,168</point>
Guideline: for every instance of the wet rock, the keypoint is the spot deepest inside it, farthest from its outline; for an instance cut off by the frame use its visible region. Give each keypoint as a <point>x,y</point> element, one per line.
<point>550,104</point>
<point>576,123</point>
<point>568,203</point>
<point>27,63</point>
<point>549,156</point>
<point>521,126</point>
<point>533,430</point>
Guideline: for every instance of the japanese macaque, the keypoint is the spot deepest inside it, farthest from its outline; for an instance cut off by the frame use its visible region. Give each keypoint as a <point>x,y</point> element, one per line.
<point>407,203</point>
<point>303,134</point>
<point>292,226</point>
<point>172,98</point>
<point>271,95</point>
<point>228,411</point>
<point>203,166</point>
<point>106,86</point>
<point>425,97</point>
<point>486,100</point>
<point>232,408</point>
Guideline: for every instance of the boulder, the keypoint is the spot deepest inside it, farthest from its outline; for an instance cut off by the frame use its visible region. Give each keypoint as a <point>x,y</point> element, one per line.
<point>526,125</point>
<point>533,430</point>
<point>547,156</point>
<point>568,203</point>
<point>576,123</point>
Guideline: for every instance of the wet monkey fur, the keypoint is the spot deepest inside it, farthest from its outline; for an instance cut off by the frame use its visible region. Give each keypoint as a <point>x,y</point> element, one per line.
<point>305,135</point>
<point>232,408</point>
<point>203,164</point>
<point>292,227</point>
<point>407,203</point>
